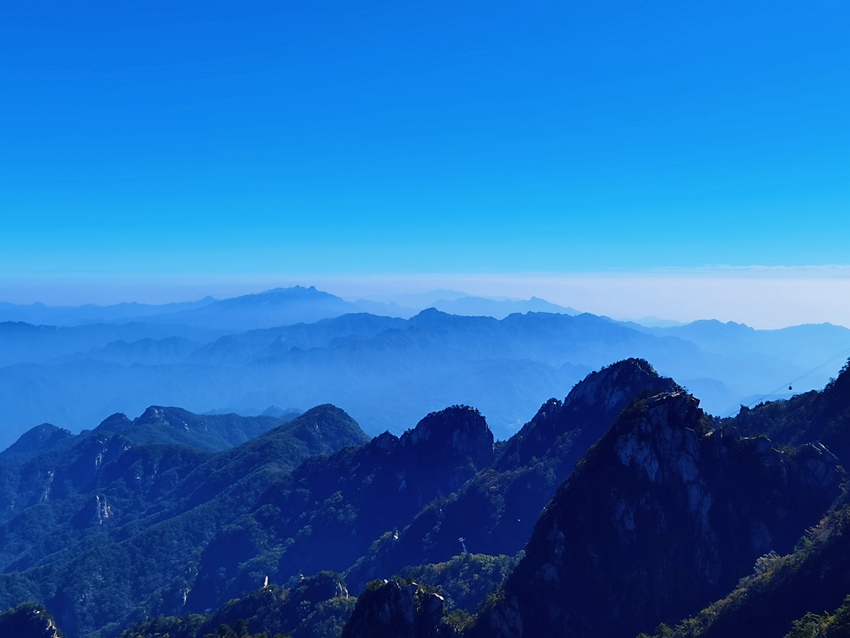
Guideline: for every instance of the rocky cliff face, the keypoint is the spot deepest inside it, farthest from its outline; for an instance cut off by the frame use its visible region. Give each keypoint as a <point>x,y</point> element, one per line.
<point>454,434</point>
<point>585,415</point>
<point>396,609</point>
<point>662,516</point>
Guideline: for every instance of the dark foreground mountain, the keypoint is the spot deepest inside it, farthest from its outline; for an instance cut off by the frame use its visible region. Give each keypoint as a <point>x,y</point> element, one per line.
<point>495,511</point>
<point>791,594</point>
<point>662,516</point>
<point>116,529</point>
<point>29,621</point>
<point>665,513</point>
<point>329,510</point>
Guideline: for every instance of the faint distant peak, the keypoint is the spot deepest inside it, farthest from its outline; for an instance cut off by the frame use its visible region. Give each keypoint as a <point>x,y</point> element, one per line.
<point>655,322</point>
<point>293,292</point>
<point>499,308</point>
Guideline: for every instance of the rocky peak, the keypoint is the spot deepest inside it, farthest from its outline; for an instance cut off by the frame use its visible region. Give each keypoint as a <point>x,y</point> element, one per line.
<point>612,387</point>
<point>662,516</point>
<point>38,440</point>
<point>457,432</point>
<point>320,587</point>
<point>117,422</point>
<point>159,415</point>
<point>28,621</point>
<point>664,440</point>
<point>587,412</point>
<point>395,609</point>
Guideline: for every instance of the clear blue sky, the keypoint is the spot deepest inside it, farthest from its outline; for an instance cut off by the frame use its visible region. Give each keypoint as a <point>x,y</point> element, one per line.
<point>213,139</point>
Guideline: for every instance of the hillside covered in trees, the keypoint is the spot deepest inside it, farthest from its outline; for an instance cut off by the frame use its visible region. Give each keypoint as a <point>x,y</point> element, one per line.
<point>622,509</point>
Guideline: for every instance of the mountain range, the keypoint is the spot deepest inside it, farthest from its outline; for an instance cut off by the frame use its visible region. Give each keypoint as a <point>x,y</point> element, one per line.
<point>248,353</point>
<point>620,508</point>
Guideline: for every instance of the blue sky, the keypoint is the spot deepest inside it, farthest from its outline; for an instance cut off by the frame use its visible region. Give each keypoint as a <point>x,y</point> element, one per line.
<point>210,142</point>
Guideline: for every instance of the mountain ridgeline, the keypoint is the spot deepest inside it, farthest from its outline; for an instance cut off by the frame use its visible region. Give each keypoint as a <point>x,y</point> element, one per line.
<point>617,509</point>
<point>300,347</point>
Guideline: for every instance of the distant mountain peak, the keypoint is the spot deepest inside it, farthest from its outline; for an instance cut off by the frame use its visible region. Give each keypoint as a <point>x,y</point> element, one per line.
<point>292,291</point>
<point>159,414</point>
<point>117,422</point>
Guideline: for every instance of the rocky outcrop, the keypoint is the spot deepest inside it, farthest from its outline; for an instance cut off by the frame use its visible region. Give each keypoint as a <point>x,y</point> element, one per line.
<point>458,432</point>
<point>585,415</point>
<point>396,609</point>
<point>28,621</point>
<point>663,515</point>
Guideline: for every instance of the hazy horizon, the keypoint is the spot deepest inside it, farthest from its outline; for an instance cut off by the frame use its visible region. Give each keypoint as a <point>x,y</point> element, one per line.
<point>681,161</point>
<point>763,298</point>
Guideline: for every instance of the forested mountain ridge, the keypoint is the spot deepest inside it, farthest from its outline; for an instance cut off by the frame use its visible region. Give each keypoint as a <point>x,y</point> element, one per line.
<point>665,512</point>
<point>495,510</point>
<point>115,528</point>
<point>330,509</point>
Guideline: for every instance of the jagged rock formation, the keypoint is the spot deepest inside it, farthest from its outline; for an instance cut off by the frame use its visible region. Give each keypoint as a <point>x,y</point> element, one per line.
<point>396,609</point>
<point>662,516</point>
<point>496,510</point>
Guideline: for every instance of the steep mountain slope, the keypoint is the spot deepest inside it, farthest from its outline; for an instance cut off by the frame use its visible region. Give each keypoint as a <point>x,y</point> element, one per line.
<point>496,510</point>
<point>34,442</point>
<point>117,528</point>
<point>662,516</point>
<point>328,511</point>
<point>786,590</point>
<point>667,511</point>
<point>396,609</point>
<point>28,621</point>
<point>50,462</point>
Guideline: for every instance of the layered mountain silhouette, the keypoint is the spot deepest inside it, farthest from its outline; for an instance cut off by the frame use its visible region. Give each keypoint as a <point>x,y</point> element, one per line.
<point>244,354</point>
